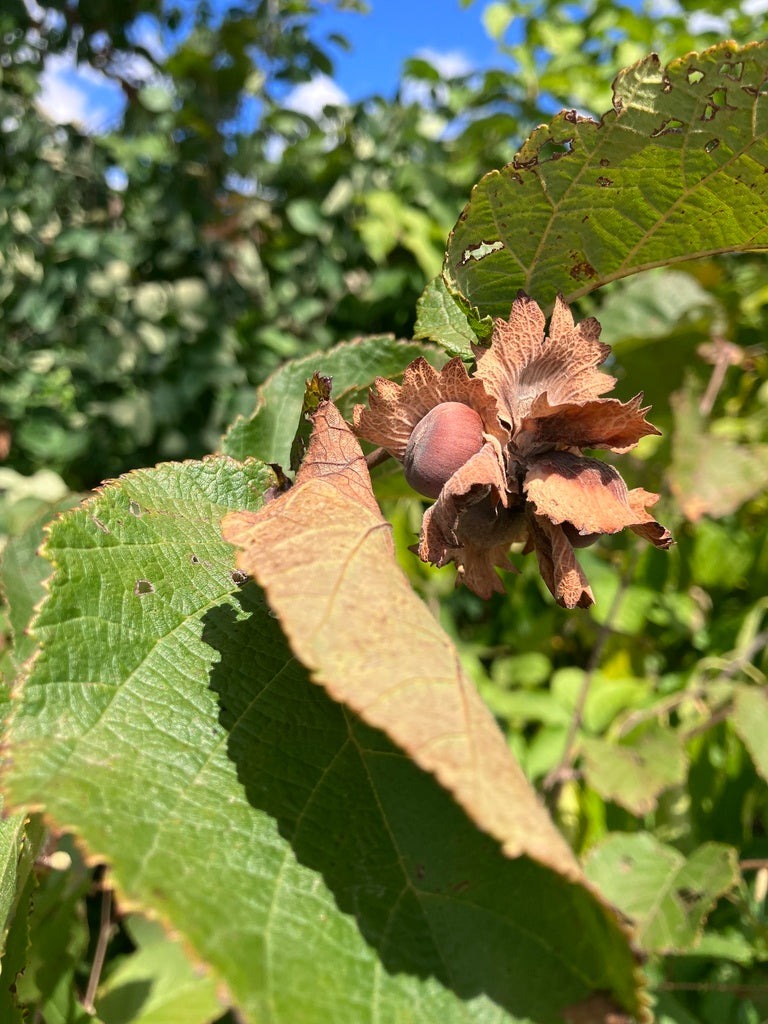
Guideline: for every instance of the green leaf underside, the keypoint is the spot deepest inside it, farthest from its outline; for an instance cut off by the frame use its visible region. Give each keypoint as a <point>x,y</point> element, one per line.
<point>268,434</point>
<point>675,171</point>
<point>667,895</point>
<point>295,850</point>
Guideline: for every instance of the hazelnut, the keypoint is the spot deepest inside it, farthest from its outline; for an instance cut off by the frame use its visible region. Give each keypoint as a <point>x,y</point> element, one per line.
<point>439,444</point>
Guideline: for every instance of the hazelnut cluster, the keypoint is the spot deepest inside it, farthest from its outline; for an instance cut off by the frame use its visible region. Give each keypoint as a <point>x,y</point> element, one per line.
<point>502,451</point>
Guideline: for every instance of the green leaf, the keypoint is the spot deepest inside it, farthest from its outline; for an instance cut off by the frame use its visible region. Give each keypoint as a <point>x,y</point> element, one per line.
<point>268,434</point>
<point>297,851</point>
<point>750,720</point>
<point>675,170</point>
<point>709,474</point>
<point>668,895</point>
<point>440,318</point>
<point>633,774</point>
<point>23,575</point>
<point>59,938</point>
<point>156,984</point>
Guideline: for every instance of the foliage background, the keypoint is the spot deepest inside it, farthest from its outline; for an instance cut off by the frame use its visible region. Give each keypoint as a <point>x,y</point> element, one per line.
<point>137,322</point>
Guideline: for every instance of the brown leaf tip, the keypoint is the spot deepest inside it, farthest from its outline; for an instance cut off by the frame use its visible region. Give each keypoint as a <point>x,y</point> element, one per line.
<point>502,450</point>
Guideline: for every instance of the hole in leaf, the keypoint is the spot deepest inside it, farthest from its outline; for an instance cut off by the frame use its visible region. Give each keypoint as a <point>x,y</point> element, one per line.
<point>605,162</point>
<point>709,112</point>
<point>551,150</point>
<point>719,97</point>
<point>694,76</point>
<point>143,587</point>
<point>480,251</point>
<point>734,71</point>
<point>98,523</point>
<point>666,85</point>
<point>195,560</point>
<point>135,508</point>
<point>604,182</point>
<point>672,126</point>
<point>711,145</point>
<point>238,577</point>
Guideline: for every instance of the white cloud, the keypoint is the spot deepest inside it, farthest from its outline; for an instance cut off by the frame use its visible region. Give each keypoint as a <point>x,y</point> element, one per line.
<point>450,64</point>
<point>78,94</point>
<point>310,97</point>
<point>702,21</point>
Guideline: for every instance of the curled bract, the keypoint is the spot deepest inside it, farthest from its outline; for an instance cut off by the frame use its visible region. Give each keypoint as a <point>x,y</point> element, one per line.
<point>502,451</point>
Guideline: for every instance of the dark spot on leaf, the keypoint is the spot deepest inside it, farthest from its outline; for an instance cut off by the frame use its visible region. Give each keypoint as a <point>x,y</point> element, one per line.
<point>711,145</point>
<point>604,182</point>
<point>605,162</point>
<point>102,526</point>
<point>688,897</point>
<point>238,577</point>
<point>460,886</point>
<point>672,126</point>
<point>420,871</point>
<point>135,508</point>
<point>195,560</point>
<point>585,218</point>
<point>582,269</point>
<point>626,863</point>
<point>694,76</point>
<point>143,587</point>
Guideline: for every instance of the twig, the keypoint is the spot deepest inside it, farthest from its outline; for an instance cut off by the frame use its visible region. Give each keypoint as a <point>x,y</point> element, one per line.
<point>562,770</point>
<point>754,864</point>
<point>376,457</point>
<point>713,986</point>
<point>105,933</point>
<point>722,354</point>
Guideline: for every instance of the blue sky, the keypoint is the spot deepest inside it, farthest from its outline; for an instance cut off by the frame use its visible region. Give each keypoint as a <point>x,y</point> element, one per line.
<point>397,29</point>
<point>449,34</point>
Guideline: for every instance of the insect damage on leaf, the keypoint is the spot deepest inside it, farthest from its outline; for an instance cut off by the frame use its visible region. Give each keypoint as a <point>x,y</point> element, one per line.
<point>502,451</point>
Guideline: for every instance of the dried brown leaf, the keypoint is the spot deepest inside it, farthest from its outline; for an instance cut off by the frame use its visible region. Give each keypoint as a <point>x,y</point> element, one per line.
<point>586,492</point>
<point>522,364</point>
<point>324,558</point>
<point>600,423</point>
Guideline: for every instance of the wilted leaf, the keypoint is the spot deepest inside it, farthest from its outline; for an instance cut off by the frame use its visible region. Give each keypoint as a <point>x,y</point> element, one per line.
<point>709,474</point>
<point>675,170</point>
<point>633,774</point>
<point>325,560</point>
<point>750,720</point>
<point>297,851</point>
<point>667,895</point>
<point>269,432</point>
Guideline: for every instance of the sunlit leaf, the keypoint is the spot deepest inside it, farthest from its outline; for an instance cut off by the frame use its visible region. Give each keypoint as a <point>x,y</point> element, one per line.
<point>306,859</point>
<point>675,170</point>
<point>666,894</point>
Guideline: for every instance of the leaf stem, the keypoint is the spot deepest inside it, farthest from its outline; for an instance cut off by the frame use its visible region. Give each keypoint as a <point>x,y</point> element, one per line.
<point>562,770</point>
<point>105,933</point>
<point>376,457</point>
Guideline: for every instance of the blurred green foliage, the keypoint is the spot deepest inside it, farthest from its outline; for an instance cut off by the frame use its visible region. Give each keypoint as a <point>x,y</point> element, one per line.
<point>137,319</point>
